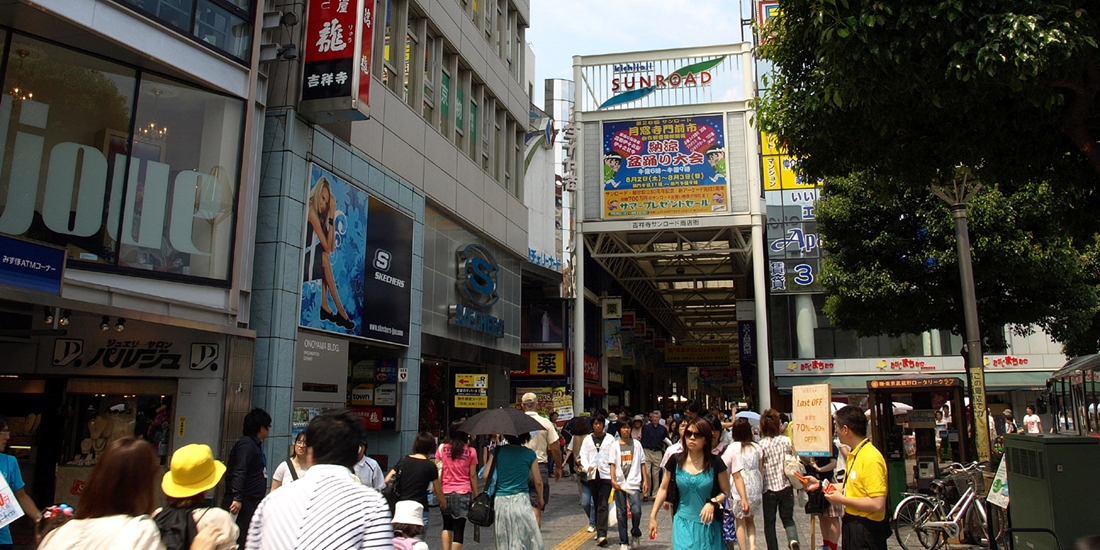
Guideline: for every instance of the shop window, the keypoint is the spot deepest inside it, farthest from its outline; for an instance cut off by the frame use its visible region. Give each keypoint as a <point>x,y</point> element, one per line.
<point>225,25</point>
<point>96,419</point>
<point>144,183</point>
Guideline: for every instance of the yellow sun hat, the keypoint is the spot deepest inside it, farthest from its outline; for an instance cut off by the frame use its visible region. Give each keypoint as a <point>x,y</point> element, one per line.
<point>193,471</point>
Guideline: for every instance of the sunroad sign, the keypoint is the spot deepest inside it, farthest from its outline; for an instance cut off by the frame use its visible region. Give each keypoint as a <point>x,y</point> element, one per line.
<point>478,277</point>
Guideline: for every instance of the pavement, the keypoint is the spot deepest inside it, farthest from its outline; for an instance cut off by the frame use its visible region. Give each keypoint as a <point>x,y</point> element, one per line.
<point>564,526</point>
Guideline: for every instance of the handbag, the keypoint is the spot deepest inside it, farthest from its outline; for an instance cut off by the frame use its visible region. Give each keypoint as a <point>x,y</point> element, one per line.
<point>390,490</point>
<point>481,512</point>
<point>816,503</point>
<point>791,466</point>
<point>729,523</point>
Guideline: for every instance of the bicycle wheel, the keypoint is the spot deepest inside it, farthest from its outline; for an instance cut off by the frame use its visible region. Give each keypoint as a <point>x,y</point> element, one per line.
<point>998,524</point>
<point>976,524</point>
<point>909,520</point>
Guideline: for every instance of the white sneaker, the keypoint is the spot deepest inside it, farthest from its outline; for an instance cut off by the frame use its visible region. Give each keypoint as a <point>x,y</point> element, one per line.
<point>591,529</point>
<point>602,541</point>
<point>624,547</point>
<point>634,544</point>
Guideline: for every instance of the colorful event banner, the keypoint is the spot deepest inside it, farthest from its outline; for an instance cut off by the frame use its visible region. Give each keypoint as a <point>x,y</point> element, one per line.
<point>664,167</point>
<point>780,169</point>
<point>357,269</point>
<point>717,355</point>
<point>612,338</point>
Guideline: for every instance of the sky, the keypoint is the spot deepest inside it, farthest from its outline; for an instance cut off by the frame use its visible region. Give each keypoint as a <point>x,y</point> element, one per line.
<point>560,29</point>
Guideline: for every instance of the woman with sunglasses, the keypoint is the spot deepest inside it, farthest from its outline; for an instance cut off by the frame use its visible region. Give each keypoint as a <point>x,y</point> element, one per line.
<point>696,485</point>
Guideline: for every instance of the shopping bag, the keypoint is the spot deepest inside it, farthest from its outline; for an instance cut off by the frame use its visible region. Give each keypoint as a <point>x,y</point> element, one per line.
<point>9,507</point>
<point>612,512</point>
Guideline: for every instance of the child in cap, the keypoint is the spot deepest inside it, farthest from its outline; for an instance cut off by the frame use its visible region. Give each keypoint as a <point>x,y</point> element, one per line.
<point>408,524</point>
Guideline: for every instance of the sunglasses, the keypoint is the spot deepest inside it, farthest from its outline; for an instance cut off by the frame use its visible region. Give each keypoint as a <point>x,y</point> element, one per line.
<point>692,434</point>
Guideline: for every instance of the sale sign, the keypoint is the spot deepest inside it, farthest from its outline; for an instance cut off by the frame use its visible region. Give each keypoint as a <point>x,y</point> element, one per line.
<point>812,420</point>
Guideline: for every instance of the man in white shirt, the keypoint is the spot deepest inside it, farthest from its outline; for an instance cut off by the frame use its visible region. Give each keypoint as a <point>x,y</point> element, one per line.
<point>1032,422</point>
<point>541,442</point>
<point>626,461</point>
<point>367,469</point>
<point>327,508</point>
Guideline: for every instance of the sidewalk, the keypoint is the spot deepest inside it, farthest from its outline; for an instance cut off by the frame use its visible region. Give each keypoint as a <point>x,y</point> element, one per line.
<point>564,523</point>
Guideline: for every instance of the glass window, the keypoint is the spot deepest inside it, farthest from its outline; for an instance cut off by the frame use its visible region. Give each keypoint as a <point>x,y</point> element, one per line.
<point>444,102</point>
<point>74,176</point>
<point>429,76</point>
<point>459,120</point>
<point>473,128</point>
<point>223,29</point>
<point>224,24</point>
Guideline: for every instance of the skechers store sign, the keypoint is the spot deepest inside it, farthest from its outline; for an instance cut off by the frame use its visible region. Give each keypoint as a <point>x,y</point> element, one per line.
<point>478,277</point>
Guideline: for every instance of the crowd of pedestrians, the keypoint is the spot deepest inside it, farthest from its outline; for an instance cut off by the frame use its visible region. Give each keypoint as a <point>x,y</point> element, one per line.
<point>716,474</point>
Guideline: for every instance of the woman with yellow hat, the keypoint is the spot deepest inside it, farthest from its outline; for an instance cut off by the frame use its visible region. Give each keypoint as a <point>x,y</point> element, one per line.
<point>194,472</point>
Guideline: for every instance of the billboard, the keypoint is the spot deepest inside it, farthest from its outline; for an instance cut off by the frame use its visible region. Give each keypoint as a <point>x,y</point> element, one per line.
<point>357,263</point>
<point>664,167</point>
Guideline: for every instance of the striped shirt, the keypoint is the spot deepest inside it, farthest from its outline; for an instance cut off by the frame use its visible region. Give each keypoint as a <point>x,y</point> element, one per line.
<point>325,509</point>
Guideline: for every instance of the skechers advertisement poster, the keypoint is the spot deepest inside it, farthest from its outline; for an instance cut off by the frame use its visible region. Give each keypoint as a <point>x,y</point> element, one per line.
<point>357,268</point>
<point>664,167</point>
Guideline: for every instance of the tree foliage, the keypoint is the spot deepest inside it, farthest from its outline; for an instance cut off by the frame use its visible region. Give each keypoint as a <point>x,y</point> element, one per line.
<point>912,89</point>
<point>892,268</point>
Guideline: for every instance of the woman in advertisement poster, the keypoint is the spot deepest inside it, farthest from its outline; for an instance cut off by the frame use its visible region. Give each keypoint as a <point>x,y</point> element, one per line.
<point>322,228</point>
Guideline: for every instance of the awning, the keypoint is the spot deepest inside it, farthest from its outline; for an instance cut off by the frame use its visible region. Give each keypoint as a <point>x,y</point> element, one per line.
<point>995,380</point>
<point>1008,380</point>
<point>594,389</point>
<point>843,384</point>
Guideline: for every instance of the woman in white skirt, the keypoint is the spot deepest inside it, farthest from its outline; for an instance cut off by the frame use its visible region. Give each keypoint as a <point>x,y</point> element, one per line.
<point>515,525</point>
<point>749,453</point>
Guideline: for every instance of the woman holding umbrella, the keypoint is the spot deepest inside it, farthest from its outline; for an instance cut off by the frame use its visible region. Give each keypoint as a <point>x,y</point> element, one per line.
<point>514,525</point>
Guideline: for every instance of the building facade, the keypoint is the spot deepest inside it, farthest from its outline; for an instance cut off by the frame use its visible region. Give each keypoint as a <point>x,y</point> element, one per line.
<point>130,135</point>
<point>406,307</point>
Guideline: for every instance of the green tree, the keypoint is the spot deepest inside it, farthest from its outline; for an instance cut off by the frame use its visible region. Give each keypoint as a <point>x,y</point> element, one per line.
<point>912,89</point>
<point>892,268</point>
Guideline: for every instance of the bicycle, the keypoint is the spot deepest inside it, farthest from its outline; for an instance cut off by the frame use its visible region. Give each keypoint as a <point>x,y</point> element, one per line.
<point>924,523</point>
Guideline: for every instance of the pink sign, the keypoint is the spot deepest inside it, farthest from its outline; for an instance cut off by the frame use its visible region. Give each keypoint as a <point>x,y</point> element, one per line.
<point>701,139</point>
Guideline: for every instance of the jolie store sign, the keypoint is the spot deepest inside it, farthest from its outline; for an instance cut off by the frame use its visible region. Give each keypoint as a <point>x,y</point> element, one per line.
<point>337,59</point>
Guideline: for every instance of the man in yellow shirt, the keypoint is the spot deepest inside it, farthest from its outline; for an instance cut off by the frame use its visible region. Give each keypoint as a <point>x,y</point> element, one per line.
<point>864,526</point>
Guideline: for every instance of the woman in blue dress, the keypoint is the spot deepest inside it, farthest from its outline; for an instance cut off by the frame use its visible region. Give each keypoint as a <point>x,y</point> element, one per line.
<point>696,487</point>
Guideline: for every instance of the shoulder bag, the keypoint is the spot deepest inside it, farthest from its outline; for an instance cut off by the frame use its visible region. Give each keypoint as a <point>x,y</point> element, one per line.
<point>390,491</point>
<point>481,511</point>
<point>793,465</point>
<point>293,472</point>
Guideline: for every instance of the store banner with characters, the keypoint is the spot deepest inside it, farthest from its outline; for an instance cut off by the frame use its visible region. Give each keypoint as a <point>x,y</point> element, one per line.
<point>665,167</point>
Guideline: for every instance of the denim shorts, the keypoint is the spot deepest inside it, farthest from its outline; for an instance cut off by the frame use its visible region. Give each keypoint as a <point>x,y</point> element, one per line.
<point>458,504</point>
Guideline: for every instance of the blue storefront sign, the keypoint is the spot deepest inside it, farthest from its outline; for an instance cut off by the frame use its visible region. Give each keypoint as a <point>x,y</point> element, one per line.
<point>31,266</point>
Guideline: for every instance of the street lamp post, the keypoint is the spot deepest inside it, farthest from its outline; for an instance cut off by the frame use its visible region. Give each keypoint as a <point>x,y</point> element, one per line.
<point>958,199</point>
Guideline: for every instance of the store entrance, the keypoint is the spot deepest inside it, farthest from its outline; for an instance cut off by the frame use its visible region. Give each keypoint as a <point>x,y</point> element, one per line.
<point>438,391</point>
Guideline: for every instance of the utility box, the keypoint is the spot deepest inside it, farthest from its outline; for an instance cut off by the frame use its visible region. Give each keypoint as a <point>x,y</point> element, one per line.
<point>1051,478</point>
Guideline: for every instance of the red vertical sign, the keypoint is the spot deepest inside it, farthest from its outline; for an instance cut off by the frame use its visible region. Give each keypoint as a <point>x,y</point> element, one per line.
<point>366,54</point>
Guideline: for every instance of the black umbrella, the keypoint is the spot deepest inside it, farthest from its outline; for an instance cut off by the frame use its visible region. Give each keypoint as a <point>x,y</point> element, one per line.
<point>500,421</point>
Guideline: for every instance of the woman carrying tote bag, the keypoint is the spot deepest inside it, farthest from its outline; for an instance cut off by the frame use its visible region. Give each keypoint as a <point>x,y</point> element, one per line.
<point>778,493</point>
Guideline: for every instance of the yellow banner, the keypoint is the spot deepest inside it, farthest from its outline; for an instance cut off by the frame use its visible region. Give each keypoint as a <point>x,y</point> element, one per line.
<point>472,401</point>
<point>471,380</point>
<point>664,201</point>
<point>547,363</point>
<point>698,356</point>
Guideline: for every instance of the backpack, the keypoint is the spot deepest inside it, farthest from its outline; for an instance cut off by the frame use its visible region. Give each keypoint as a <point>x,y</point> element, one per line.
<point>177,527</point>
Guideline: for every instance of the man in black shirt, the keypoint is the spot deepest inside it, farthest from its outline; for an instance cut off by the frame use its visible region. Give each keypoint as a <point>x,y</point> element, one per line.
<point>653,442</point>
<point>246,475</point>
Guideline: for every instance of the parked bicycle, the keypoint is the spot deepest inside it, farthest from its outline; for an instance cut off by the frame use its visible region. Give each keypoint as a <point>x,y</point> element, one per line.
<point>954,510</point>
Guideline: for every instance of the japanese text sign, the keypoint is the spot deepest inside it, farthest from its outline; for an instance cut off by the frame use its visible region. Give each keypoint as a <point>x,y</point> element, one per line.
<point>31,266</point>
<point>812,420</point>
<point>547,363</point>
<point>664,167</point>
<point>471,391</point>
<point>336,60</point>
<point>698,356</point>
